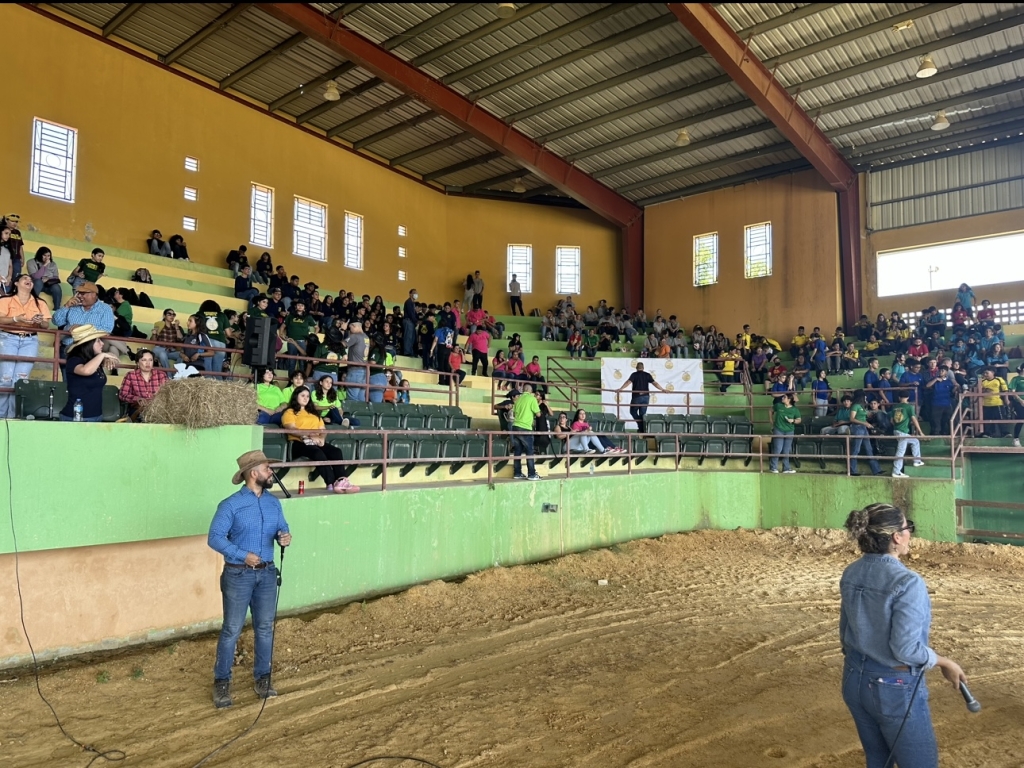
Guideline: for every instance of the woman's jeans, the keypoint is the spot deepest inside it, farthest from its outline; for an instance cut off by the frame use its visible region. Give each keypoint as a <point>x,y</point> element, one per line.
<point>782,445</point>
<point>12,371</point>
<point>269,418</point>
<point>878,699</point>
<point>582,443</point>
<point>54,290</point>
<point>218,357</point>
<point>820,407</point>
<point>901,450</point>
<point>244,589</point>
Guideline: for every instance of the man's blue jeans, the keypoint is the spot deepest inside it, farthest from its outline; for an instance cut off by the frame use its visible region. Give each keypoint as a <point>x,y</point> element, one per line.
<point>522,445</point>
<point>244,589</point>
<point>218,357</point>
<point>408,336</point>
<point>856,444</point>
<point>878,698</point>
<point>356,375</point>
<point>638,409</point>
<point>379,382</point>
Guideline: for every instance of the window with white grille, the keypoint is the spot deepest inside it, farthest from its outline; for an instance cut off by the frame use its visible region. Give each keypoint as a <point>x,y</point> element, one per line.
<point>191,194</point>
<point>353,240</point>
<point>310,229</point>
<point>705,259</point>
<point>402,231</point>
<point>520,264</point>
<point>757,250</point>
<point>54,157</point>
<point>402,252</point>
<point>261,216</point>
<point>402,275</point>
<point>190,223</point>
<point>567,270</point>
<point>192,164</point>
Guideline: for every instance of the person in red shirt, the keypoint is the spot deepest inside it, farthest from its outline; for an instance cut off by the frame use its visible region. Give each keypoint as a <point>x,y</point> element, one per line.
<point>455,359</point>
<point>479,343</point>
<point>532,372</point>
<point>475,318</point>
<point>140,386</point>
<point>986,315</point>
<point>777,369</point>
<point>918,349</point>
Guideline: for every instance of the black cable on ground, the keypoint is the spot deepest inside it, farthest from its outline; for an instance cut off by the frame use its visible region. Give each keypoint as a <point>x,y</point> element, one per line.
<point>110,755</point>
<point>369,760</point>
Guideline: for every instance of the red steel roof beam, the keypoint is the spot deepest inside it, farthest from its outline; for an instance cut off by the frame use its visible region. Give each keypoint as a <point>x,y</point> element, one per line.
<point>483,125</point>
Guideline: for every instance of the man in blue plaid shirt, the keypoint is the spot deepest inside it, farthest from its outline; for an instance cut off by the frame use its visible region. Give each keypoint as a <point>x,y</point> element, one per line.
<point>244,530</point>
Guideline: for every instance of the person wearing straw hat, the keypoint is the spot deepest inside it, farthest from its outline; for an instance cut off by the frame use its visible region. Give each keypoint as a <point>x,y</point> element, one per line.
<point>87,365</point>
<point>244,530</point>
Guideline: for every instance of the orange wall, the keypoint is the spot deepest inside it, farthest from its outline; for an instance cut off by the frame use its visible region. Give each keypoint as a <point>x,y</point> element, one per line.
<point>137,122</point>
<point>804,288</point>
<point>931,234</point>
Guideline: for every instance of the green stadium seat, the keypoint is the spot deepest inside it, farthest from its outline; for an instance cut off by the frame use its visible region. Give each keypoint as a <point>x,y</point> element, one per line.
<point>400,448</point>
<point>720,426</point>
<point>693,447</point>
<point>453,447</point>
<point>740,445</point>
<point>414,419</point>
<point>500,447</point>
<point>456,418</point>
<point>638,446</point>
<point>679,425</point>
<point>278,448</point>
<point>428,448</point>
<point>655,424</point>
<point>699,425</point>
<point>372,449</point>
<point>476,448</point>
<point>32,398</point>
<point>809,447</point>
<point>435,417</point>
<point>388,421</point>
<point>741,426</point>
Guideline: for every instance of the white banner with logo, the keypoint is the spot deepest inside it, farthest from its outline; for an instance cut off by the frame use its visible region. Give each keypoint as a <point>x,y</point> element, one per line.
<point>683,380</point>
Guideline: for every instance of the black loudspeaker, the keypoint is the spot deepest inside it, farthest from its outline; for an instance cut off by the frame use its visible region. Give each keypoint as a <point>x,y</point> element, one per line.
<point>258,345</point>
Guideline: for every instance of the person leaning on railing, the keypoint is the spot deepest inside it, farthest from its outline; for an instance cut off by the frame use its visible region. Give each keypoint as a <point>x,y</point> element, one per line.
<point>308,434</point>
<point>21,317</point>
<point>993,389</point>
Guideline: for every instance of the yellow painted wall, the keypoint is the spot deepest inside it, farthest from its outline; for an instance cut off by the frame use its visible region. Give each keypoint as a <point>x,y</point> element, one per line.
<point>932,234</point>
<point>804,288</point>
<point>136,123</point>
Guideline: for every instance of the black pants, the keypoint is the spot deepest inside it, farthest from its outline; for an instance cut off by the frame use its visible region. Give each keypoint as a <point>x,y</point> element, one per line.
<point>940,417</point>
<point>992,413</point>
<point>516,301</point>
<point>481,358</point>
<point>1018,413</point>
<point>478,301</point>
<point>325,452</point>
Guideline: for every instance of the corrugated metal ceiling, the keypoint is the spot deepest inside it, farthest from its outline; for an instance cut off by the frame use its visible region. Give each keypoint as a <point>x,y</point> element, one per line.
<point>609,85</point>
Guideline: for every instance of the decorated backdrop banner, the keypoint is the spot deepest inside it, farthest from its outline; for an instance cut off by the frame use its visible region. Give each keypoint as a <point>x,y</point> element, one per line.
<point>683,379</point>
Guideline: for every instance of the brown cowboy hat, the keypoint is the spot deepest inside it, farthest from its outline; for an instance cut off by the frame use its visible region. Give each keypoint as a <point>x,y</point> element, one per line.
<point>85,333</point>
<point>249,460</point>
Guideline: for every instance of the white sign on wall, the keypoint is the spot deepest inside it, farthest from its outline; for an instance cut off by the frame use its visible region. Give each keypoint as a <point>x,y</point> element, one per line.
<point>684,380</point>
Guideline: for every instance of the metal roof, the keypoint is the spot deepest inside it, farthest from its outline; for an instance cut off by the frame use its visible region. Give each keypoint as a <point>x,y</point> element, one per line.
<point>609,86</point>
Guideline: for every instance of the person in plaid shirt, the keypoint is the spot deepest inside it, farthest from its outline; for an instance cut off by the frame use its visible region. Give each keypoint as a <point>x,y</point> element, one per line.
<point>139,386</point>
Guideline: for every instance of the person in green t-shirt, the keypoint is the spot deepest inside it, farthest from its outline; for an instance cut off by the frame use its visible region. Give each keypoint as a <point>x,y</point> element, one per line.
<point>525,410</point>
<point>88,270</point>
<point>904,424</point>
<point>297,327</point>
<point>1016,389</point>
<point>215,323</point>
<point>859,426</point>
<point>270,399</point>
<point>784,420</point>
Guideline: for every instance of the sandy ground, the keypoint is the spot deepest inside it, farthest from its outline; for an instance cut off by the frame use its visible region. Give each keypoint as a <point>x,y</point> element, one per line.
<point>708,649</point>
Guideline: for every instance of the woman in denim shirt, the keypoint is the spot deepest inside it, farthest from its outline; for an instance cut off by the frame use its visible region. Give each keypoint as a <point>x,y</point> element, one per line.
<point>883,629</point>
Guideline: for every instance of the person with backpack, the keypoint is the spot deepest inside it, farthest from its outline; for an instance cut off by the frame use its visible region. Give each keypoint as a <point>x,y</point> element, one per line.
<point>904,424</point>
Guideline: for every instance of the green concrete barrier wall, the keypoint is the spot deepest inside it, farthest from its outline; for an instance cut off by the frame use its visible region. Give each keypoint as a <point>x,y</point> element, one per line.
<point>994,478</point>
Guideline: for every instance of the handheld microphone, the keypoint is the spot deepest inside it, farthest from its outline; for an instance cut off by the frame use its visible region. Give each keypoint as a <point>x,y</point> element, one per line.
<point>972,703</point>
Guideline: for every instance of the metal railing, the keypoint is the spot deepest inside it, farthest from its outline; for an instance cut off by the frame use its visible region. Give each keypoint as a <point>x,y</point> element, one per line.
<point>961,530</point>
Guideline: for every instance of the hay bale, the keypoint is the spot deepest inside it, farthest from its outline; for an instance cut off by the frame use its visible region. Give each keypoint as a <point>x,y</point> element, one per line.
<point>200,403</point>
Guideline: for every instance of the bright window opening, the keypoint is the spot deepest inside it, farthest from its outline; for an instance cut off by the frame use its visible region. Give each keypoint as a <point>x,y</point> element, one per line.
<point>401,274</point>
<point>191,164</point>
<point>191,194</point>
<point>402,252</point>
<point>402,231</point>
<point>310,229</point>
<point>54,159</point>
<point>757,250</point>
<point>981,261</point>
<point>190,223</point>
<point>520,264</point>
<point>567,270</point>
<point>261,216</point>
<point>705,259</point>
<point>353,240</point>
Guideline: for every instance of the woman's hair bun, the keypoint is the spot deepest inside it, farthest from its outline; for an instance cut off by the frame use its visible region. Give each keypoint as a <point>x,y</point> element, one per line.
<point>857,522</point>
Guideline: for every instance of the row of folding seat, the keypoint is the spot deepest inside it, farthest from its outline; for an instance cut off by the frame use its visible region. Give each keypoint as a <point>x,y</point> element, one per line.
<point>699,425</point>
<point>32,399</point>
<point>417,417</point>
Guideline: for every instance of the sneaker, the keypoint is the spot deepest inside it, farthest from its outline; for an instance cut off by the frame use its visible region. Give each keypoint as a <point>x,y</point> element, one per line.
<point>918,463</point>
<point>1016,443</point>
<point>789,471</point>
<point>518,477</point>
<point>774,471</point>
<point>591,451</point>
<point>899,474</point>
<point>534,476</point>
<point>855,474</point>
<point>264,689</point>
<point>344,486</point>
<point>222,693</point>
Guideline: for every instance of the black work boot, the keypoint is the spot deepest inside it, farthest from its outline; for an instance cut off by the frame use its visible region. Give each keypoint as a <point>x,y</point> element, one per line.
<point>222,693</point>
<point>264,689</point>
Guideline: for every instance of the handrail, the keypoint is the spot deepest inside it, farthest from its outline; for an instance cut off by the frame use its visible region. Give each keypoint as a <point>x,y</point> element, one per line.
<point>982,533</point>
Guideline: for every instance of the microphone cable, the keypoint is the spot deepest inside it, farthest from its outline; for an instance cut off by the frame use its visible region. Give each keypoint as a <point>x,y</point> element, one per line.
<point>110,755</point>
<point>899,733</point>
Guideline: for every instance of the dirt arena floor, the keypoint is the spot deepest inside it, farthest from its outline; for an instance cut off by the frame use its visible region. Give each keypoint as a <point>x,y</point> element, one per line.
<point>712,649</point>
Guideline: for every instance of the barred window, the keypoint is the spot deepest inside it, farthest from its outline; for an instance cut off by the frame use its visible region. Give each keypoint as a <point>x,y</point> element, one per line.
<point>191,194</point>
<point>192,164</point>
<point>705,259</point>
<point>520,264</point>
<point>54,160</point>
<point>310,229</point>
<point>353,240</point>
<point>190,223</point>
<point>261,216</point>
<point>567,270</point>
<point>757,250</point>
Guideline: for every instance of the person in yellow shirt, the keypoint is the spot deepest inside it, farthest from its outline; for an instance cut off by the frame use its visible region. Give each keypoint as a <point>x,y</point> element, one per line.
<point>994,390</point>
<point>727,374</point>
<point>307,436</point>
<point>851,359</point>
<point>872,344</point>
<point>799,343</point>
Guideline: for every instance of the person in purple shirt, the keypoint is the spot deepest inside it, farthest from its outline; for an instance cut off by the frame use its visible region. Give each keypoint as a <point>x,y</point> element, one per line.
<point>884,620</point>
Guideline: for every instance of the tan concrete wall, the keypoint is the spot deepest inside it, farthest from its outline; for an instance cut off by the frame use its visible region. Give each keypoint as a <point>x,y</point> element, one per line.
<point>90,598</point>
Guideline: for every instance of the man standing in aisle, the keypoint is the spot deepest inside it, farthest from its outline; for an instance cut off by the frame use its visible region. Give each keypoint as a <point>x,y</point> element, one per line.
<point>515,296</point>
<point>409,324</point>
<point>641,381</point>
<point>524,414</point>
<point>478,290</point>
<point>244,529</point>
